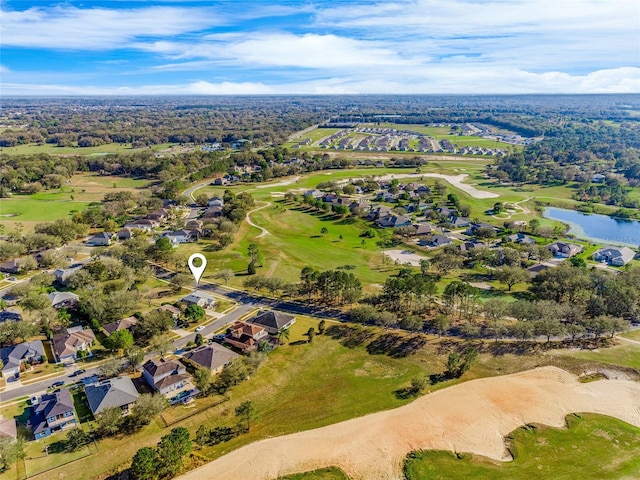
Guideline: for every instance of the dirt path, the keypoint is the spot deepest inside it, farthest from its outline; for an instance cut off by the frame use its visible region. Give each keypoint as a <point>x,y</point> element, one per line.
<point>264,231</point>
<point>470,417</point>
<point>522,210</point>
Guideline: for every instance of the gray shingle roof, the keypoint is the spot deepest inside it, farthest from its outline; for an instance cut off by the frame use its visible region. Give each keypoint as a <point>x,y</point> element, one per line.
<point>12,356</point>
<point>212,356</point>
<point>272,319</point>
<point>114,392</point>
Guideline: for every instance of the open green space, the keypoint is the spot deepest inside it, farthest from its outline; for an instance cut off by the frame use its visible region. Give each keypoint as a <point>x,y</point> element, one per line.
<point>304,386</point>
<point>51,205</point>
<point>322,474</point>
<point>593,447</point>
<point>54,149</point>
<point>633,335</point>
<point>624,354</point>
<point>35,208</point>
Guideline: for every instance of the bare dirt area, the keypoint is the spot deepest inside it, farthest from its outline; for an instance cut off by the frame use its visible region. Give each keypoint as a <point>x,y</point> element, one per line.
<point>470,417</point>
<point>404,256</point>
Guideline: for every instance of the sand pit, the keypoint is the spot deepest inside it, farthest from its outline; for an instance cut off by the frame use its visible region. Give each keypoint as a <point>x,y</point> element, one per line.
<point>470,417</point>
<point>283,183</point>
<point>404,256</point>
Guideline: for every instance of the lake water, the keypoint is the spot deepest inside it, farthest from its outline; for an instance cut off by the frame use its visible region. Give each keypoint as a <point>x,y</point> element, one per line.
<point>597,228</point>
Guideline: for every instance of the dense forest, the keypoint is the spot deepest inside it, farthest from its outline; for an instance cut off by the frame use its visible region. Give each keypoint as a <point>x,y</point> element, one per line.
<point>583,137</point>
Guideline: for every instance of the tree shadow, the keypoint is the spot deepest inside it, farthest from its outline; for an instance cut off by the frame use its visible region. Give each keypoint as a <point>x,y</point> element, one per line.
<point>349,337</point>
<point>396,346</point>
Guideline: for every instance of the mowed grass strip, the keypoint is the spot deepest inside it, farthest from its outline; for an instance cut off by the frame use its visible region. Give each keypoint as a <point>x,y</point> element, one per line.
<point>32,208</point>
<point>321,474</point>
<point>593,447</point>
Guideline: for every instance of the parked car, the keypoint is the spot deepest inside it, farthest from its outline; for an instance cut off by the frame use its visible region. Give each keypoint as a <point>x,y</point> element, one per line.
<point>33,400</point>
<point>217,338</point>
<point>200,328</point>
<point>78,372</point>
<point>59,383</point>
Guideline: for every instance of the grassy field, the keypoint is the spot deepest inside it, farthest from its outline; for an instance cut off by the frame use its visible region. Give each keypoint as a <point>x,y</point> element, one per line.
<point>304,386</point>
<point>53,149</point>
<point>633,335</point>
<point>625,355</point>
<point>50,205</point>
<point>322,474</point>
<point>593,447</point>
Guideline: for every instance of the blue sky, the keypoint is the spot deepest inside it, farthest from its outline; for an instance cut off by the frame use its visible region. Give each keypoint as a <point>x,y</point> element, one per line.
<point>118,47</point>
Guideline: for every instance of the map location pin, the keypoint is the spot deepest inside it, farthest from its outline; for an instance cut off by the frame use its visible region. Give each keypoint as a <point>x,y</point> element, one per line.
<point>197,271</point>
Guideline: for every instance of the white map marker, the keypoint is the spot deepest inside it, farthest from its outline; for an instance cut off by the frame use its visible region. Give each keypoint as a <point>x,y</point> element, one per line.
<point>197,271</point>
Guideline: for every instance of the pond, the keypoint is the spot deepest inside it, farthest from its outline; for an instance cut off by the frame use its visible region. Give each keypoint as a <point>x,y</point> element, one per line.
<point>597,228</point>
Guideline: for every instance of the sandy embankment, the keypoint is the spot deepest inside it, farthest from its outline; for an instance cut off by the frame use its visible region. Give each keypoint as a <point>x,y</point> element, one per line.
<point>470,417</point>
<point>455,180</point>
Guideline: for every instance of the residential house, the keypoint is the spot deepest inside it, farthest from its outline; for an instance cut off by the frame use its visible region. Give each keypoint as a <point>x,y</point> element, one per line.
<point>15,356</point>
<point>425,228</point>
<point>193,224</point>
<point>54,412</point>
<point>536,269</point>
<point>314,193</point>
<point>200,298</point>
<point>164,376</point>
<point>439,240</point>
<point>617,256</point>
<point>66,345</point>
<point>174,311</point>
<point>211,356</point>
<point>245,336</point>
<point>63,299</point>
<point>125,234</point>
<point>8,428</point>
<point>213,212</point>
<point>183,236</point>
<point>459,222</point>
<point>273,321</point>
<point>474,227</point>
<point>63,274</point>
<point>215,202</point>
<point>220,181</point>
<point>378,212</point>
<point>102,239</point>
<point>470,246</point>
<point>563,249</point>
<point>125,323</point>
<point>115,392</point>
<point>144,224</point>
<point>11,266</point>
<point>161,215</point>
<point>520,238</point>
<point>393,221</point>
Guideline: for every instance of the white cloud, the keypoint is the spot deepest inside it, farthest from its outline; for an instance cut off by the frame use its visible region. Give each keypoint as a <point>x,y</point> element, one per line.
<point>71,28</point>
<point>438,80</point>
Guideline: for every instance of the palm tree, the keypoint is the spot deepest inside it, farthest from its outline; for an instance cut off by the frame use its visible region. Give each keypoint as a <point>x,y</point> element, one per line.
<point>283,334</point>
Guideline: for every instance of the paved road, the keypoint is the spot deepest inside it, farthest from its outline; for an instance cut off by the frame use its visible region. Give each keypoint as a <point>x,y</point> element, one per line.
<point>247,302</point>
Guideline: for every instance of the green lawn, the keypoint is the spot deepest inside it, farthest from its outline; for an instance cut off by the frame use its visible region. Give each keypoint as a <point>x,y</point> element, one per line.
<point>39,207</point>
<point>633,335</point>
<point>592,448</point>
<point>322,474</point>
<point>625,355</point>
<point>50,205</point>
<point>33,148</point>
